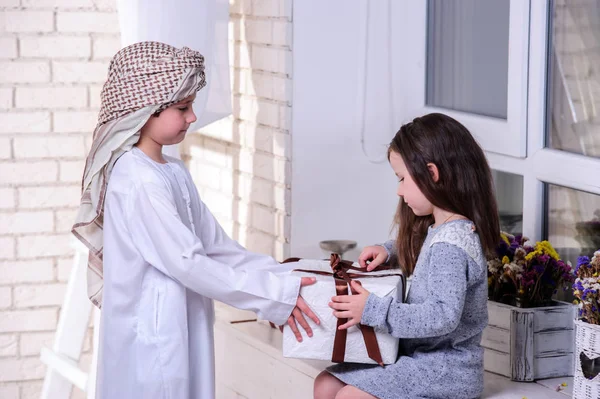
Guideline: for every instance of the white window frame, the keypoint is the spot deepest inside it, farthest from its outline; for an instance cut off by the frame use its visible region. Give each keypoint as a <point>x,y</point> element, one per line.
<point>542,164</point>
<point>536,163</point>
<point>504,136</point>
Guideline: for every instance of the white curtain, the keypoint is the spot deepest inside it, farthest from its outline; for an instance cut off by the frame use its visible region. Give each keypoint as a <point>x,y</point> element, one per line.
<point>201,25</point>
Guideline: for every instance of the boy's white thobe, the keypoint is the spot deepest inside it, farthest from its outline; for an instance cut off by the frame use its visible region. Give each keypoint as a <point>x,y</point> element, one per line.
<point>165,259</point>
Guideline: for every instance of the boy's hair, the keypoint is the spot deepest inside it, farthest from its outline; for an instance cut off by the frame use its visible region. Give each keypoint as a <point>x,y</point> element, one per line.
<point>465,184</point>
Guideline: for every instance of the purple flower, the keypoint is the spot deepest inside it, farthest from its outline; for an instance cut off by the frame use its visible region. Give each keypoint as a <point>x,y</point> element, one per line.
<point>583,260</point>
<point>544,258</point>
<point>528,248</point>
<point>539,268</point>
<point>519,238</point>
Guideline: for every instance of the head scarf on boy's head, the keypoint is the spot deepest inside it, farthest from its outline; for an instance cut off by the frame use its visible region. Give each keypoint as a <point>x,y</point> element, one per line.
<point>143,79</point>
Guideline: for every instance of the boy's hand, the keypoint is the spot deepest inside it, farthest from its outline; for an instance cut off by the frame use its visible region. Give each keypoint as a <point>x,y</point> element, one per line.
<point>374,253</point>
<point>302,307</point>
<point>350,306</point>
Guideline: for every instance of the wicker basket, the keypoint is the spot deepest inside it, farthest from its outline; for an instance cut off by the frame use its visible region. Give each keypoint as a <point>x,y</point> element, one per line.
<point>588,342</point>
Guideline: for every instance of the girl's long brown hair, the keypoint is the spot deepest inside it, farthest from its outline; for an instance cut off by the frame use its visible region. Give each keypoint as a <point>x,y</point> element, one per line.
<point>464,187</point>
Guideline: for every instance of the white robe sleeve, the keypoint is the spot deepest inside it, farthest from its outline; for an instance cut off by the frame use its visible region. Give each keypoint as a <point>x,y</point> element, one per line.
<point>169,245</point>
<point>221,247</point>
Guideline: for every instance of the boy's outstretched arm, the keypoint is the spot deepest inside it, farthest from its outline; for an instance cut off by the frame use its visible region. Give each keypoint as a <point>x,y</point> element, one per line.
<point>168,244</point>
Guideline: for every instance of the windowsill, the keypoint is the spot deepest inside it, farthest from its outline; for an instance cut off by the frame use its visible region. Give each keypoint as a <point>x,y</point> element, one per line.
<point>262,337</point>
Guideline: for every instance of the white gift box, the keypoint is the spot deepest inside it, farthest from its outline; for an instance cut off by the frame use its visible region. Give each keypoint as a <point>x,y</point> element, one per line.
<point>317,296</point>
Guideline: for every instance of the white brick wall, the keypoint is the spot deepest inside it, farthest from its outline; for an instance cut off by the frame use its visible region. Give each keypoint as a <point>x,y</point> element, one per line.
<point>242,165</point>
<point>54,57</point>
<point>55,46</point>
<point>45,96</point>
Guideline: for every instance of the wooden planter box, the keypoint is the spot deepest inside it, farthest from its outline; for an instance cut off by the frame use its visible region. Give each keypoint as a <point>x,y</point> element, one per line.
<point>529,344</point>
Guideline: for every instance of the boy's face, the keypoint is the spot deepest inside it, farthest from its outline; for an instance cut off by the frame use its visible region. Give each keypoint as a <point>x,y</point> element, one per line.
<point>171,125</point>
<point>407,188</point>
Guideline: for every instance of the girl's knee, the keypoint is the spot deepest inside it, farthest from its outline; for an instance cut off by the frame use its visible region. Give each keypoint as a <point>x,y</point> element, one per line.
<point>350,392</point>
<point>326,386</point>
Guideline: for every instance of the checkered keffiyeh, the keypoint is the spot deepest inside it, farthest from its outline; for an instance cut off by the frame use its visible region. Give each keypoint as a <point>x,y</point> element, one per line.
<point>143,79</point>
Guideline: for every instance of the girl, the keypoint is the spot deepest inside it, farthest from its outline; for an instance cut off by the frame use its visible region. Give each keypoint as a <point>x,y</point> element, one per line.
<point>157,255</point>
<point>448,223</point>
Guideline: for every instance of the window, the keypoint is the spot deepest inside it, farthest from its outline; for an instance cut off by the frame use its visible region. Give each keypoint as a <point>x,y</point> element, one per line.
<point>547,173</point>
<point>467,56</point>
<point>574,102</point>
<point>509,195</point>
<point>462,65</point>
<point>573,224</point>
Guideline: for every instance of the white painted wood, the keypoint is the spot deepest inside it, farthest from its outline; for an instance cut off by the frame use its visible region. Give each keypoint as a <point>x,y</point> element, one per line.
<point>91,383</point>
<point>254,371</point>
<point>567,169</point>
<point>62,360</point>
<point>538,343</point>
<point>499,315</point>
<point>548,343</point>
<point>496,338</point>
<point>553,366</point>
<point>554,318</point>
<point>496,362</point>
<point>66,368</point>
<point>533,189</point>
<point>521,346</point>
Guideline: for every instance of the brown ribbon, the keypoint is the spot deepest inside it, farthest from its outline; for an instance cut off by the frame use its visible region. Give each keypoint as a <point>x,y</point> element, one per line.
<point>342,281</point>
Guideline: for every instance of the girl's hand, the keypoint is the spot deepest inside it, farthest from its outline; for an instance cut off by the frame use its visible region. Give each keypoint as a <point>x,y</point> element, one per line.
<point>375,253</point>
<point>350,306</point>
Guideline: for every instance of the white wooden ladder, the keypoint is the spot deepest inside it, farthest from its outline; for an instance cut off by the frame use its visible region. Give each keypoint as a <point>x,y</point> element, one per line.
<point>62,360</point>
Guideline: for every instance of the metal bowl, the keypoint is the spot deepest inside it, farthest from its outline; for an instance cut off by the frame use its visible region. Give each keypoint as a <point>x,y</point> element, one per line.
<point>337,246</point>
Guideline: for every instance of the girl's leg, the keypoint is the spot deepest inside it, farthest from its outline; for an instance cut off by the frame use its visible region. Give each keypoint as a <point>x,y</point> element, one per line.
<point>326,386</point>
<point>350,392</point>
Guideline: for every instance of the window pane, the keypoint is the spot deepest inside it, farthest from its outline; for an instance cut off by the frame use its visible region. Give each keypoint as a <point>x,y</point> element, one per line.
<point>467,55</point>
<point>574,83</point>
<point>509,195</point>
<point>573,225</point>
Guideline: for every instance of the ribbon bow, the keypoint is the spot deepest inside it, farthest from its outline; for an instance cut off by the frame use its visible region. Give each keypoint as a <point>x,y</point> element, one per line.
<point>342,281</point>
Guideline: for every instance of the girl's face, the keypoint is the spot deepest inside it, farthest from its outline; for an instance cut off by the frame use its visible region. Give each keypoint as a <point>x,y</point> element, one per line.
<point>171,125</point>
<point>407,189</point>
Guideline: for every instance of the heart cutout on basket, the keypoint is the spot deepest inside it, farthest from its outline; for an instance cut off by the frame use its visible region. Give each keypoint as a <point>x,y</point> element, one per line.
<point>589,367</point>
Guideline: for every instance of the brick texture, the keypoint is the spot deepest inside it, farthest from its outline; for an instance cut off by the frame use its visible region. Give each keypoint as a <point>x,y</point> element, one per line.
<point>241,165</point>
<point>53,55</point>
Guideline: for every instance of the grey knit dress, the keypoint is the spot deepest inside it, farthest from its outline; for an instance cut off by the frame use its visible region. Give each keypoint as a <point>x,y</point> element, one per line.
<point>439,326</point>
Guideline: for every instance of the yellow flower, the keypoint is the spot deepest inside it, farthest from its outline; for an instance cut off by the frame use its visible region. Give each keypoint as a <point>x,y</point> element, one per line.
<point>505,260</point>
<point>549,249</point>
<point>542,247</point>
<point>546,247</point>
<point>505,238</point>
<point>532,254</point>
